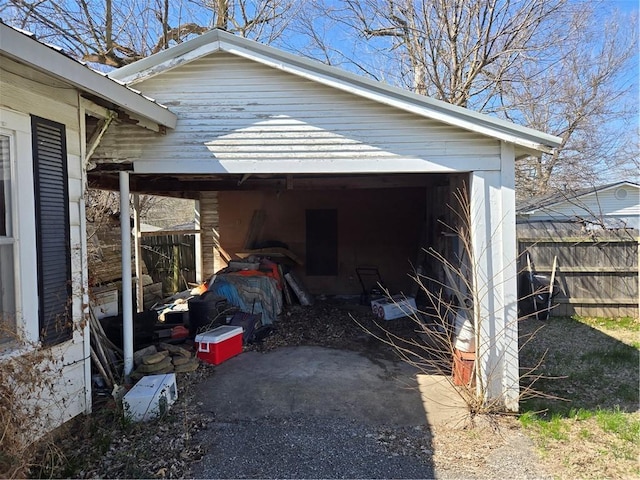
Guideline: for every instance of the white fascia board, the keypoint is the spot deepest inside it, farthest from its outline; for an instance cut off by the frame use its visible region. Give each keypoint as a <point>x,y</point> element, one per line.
<point>319,165</point>
<point>39,56</point>
<point>156,66</point>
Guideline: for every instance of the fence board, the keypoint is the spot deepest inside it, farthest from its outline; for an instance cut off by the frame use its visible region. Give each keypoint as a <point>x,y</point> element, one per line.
<point>170,259</point>
<point>598,273</point>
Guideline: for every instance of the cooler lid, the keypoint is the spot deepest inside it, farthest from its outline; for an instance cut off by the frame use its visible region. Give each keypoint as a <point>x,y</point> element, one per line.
<point>219,334</point>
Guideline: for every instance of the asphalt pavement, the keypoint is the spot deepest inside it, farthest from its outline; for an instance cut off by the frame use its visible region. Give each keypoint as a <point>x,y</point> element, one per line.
<point>313,412</point>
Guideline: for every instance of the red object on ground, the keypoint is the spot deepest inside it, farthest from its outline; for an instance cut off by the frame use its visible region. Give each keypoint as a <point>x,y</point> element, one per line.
<point>179,331</point>
<point>219,344</point>
<point>463,371</point>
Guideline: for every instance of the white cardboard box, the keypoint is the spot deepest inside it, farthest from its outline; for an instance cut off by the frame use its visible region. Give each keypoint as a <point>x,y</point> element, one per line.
<point>397,306</point>
<point>150,397</point>
<point>105,302</point>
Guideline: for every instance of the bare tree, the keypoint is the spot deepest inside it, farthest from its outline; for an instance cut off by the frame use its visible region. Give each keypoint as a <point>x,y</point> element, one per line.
<point>261,20</point>
<point>456,50</point>
<point>554,65</point>
<point>584,93</point>
<point>118,33</point>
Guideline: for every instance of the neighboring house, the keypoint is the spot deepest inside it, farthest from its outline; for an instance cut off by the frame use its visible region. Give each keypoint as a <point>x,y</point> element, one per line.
<point>344,170</point>
<point>593,234</point>
<point>611,206</point>
<point>52,110</point>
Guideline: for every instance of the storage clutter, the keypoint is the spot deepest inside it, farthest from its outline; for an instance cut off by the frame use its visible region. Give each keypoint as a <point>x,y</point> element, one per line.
<point>397,306</point>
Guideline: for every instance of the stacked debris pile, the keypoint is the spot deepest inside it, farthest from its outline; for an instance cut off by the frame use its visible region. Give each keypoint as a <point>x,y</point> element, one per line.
<point>165,358</point>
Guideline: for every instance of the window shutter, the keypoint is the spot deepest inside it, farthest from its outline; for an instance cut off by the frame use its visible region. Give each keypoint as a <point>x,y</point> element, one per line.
<point>52,230</point>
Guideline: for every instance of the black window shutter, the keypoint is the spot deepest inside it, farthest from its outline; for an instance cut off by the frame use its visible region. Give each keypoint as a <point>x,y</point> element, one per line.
<point>52,230</point>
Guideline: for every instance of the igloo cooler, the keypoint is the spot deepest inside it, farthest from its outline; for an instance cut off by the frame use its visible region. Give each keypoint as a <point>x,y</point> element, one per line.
<point>219,344</point>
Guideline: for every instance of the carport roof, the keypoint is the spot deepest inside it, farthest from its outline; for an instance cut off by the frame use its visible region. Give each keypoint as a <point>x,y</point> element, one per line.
<point>220,41</point>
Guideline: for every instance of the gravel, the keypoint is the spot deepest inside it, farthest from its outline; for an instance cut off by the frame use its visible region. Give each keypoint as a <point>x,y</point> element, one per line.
<point>310,447</point>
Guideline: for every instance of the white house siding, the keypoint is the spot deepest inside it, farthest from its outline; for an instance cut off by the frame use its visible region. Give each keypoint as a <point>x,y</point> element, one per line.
<point>598,206</point>
<point>26,92</point>
<point>237,110</point>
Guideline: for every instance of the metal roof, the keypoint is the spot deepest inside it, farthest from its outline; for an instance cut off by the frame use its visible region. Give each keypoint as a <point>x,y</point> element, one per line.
<point>220,41</point>
<point>25,48</point>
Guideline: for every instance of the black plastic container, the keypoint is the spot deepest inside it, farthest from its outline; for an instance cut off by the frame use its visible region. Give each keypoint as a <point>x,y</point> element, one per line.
<point>206,311</point>
<point>249,323</point>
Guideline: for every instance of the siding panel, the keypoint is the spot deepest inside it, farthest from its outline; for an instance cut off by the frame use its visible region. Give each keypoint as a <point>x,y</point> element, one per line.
<point>234,109</point>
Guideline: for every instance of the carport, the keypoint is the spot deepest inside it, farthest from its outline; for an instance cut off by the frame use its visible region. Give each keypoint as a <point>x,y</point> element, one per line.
<point>369,169</point>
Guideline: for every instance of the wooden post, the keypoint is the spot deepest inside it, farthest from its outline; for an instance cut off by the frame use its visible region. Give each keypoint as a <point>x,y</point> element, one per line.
<point>553,279</point>
<point>533,286</point>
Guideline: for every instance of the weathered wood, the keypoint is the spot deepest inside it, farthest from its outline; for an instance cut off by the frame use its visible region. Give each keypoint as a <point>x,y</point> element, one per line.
<point>597,272</point>
<point>272,252</point>
<point>605,269</point>
<point>170,259</point>
<point>285,288</point>
<point>163,233</point>
<point>255,227</point>
<point>551,282</point>
<point>596,301</point>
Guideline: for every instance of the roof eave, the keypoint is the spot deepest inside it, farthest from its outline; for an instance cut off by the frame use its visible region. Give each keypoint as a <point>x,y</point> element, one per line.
<point>31,52</point>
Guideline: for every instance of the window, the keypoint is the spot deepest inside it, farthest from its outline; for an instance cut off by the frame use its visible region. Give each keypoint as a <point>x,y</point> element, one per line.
<point>53,238</point>
<point>7,287</point>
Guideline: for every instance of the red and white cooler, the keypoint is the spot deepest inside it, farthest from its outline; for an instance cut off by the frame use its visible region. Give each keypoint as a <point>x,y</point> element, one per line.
<point>219,344</point>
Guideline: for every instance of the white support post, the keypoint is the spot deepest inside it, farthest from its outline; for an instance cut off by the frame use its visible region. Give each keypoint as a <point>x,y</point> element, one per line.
<point>127,300</point>
<point>138,253</point>
<point>198,243</point>
<point>82,214</point>
<point>495,275</point>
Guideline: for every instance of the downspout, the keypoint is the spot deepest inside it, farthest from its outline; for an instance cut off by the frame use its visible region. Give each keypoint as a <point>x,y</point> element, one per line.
<point>127,300</point>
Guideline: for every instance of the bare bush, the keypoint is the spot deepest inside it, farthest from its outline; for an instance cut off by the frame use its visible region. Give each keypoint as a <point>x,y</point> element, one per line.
<point>451,323</point>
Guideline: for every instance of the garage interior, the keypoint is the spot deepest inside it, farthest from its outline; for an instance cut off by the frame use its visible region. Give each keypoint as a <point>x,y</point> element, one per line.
<point>333,224</point>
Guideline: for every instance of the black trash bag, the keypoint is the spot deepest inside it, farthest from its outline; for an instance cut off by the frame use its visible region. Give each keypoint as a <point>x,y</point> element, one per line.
<point>533,297</point>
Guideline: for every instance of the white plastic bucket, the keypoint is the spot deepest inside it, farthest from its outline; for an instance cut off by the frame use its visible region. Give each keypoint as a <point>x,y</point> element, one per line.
<point>465,339</point>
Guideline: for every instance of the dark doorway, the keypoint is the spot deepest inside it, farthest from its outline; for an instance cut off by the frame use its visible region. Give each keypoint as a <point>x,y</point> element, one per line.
<point>322,242</point>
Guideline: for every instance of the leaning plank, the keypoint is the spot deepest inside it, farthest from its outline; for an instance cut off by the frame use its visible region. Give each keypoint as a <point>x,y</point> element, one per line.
<point>298,288</point>
<point>271,252</point>
<point>553,279</point>
<point>257,222</point>
<point>533,287</point>
<point>285,288</point>
<point>105,372</point>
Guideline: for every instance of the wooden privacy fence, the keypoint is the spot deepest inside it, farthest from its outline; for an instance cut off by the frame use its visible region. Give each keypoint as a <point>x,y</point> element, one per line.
<point>170,259</point>
<point>597,272</point>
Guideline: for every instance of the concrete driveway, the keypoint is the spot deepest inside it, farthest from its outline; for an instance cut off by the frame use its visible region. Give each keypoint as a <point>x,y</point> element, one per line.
<point>313,412</point>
